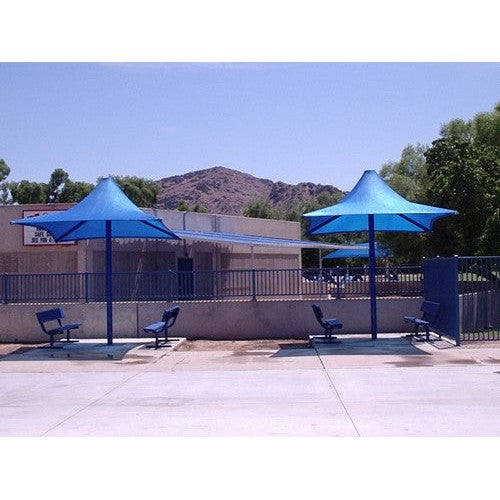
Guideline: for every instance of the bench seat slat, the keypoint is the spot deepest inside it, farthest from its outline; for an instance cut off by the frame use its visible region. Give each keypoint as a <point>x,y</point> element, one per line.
<point>327,323</point>
<point>55,315</point>
<point>430,311</point>
<point>167,321</point>
<point>155,327</point>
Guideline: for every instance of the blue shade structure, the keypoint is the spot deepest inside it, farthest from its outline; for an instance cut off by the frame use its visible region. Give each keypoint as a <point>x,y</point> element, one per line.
<point>358,253</point>
<point>105,213</point>
<point>373,206</point>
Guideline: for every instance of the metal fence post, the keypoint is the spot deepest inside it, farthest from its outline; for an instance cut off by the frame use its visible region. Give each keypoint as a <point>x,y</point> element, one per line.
<point>5,288</point>
<point>254,285</point>
<point>170,285</point>
<point>86,286</point>
<point>338,282</point>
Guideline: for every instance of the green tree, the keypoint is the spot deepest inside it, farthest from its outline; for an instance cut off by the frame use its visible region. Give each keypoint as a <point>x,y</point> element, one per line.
<point>4,185</point>
<point>459,171</point>
<point>463,176</point>
<point>260,208</point>
<point>408,177</point>
<point>4,170</point>
<point>200,209</point>
<point>74,191</point>
<point>143,192</point>
<point>457,130</point>
<point>487,128</point>
<point>489,241</point>
<point>56,184</point>
<point>182,206</point>
<point>24,192</point>
<point>59,189</point>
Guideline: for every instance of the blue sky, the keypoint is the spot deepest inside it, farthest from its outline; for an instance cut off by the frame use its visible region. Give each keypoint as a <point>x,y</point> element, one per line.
<point>318,122</point>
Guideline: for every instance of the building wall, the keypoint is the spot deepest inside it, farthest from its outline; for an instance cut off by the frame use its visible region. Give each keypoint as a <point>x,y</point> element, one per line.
<point>132,255</point>
<point>15,257</point>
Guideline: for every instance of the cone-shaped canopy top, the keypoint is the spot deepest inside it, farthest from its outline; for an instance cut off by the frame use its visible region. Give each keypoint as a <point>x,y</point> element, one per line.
<point>352,253</point>
<point>372,195</point>
<point>87,219</point>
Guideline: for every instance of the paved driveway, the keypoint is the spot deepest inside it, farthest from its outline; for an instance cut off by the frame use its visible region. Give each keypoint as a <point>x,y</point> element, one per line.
<point>388,387</point>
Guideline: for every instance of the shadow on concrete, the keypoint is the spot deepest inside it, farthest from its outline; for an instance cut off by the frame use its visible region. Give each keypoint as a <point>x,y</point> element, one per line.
<point>354,346</point>
<point>93,350</point>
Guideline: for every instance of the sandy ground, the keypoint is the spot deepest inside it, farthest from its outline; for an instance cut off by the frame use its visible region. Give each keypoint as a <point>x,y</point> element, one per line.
<point>242,345</point>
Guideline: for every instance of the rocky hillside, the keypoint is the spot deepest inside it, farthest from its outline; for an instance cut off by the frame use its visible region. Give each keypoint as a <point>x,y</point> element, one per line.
<point>226,191</point>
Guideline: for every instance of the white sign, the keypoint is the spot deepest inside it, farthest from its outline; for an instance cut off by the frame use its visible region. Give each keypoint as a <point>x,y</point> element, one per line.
<point>34,236</point>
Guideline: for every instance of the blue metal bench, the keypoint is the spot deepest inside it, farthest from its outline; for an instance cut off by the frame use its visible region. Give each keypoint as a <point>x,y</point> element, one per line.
<point>430,310</point>
<point>328,324</point>
<point>167,321</point>
<point>55,315</point>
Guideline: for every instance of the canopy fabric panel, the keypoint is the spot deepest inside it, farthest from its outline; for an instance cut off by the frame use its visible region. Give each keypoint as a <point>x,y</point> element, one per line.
<point>363,253</point>
<point>87,219</point>
<point>372,196</point>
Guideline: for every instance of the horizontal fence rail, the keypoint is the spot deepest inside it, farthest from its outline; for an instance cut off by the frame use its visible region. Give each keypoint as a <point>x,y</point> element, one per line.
<point>479,298</point>
<point>209,285</point>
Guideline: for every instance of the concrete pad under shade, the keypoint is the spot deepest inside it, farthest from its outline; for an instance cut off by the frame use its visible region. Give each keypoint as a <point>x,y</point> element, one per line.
<point>92,349</point>
<point>363,345</point>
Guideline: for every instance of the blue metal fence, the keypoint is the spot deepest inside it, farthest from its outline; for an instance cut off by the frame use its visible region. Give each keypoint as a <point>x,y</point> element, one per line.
<point>208,285</point>
<point>479,289</point>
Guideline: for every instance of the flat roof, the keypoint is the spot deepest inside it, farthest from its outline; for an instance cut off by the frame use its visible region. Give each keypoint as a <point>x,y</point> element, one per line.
<point>253,240</point>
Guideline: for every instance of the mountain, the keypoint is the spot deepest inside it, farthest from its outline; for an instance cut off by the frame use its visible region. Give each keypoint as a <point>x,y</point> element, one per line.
<point>226,191</point>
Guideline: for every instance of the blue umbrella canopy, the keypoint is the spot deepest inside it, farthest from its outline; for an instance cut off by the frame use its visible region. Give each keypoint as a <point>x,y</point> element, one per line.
<point>372,196</point>
<point>374,206</point>
<point>105,213</point>
<point>87,220</point>
<point>362,253</point>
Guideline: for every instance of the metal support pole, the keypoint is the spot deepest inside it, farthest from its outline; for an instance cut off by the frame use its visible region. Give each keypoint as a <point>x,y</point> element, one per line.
<point>320,277</point>
<point>254,277</point>
<point>109,285</point>
<point>373,286</point>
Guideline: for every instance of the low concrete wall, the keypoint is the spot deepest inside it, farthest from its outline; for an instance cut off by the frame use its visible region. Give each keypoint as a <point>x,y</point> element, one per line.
<point>218,320</point>
<point>18,322</point>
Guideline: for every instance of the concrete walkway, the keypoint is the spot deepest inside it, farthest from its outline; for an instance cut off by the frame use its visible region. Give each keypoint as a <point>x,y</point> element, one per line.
<point>388,387</point>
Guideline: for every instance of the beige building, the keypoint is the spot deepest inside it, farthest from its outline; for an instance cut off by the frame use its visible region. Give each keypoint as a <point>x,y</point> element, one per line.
<point>27,250</point>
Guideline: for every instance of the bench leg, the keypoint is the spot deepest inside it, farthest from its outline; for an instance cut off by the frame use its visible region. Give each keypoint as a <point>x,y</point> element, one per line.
<point>68,340</point>
<point>51,343</point>
<point>330,337</point>
<point>156,345</point>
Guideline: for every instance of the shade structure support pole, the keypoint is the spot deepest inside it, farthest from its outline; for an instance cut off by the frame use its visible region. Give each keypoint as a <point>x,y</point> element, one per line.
<point>254,277</point>
<point>109,285</point>
<point>373,286</point>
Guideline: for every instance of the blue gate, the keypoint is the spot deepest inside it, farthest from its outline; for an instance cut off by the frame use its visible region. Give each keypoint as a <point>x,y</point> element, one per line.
<point>441,285</point>
<point>468,289</point>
